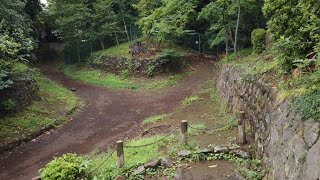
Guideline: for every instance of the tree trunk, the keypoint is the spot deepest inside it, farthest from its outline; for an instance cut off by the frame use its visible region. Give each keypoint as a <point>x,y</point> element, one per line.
<point>79,57</point>
<point>159,44</point>
<point>117,40</point>
<point>236,34</point>
<point>230,34</point>
<point>125,28</point>
<point>227,46</point>
<point>101,42</point>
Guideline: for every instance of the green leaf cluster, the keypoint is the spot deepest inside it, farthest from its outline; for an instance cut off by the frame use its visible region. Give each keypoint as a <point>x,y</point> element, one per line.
<point>66,167</point>
<point>222,17</point>
<point>82,21</point>
<point>16,42</point>
<point>169,20</point>
<point>308,105</point>
<point>258,38</point>
<point>294,24</point>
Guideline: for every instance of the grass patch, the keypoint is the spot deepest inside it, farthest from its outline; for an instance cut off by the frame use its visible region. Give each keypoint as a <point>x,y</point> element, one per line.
<point>196,129</point>
<point>133,157</point>
<point>242,53</point>
<point>189,100</point>
<point>119,50</point>
<point>95,77</point>
<point>100,78</point>
<point>122,50</point>
<point>153,119</point>
<point>50,111</point>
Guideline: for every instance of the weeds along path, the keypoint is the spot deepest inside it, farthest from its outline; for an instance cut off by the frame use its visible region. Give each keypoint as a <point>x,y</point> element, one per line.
<point>108,115</point>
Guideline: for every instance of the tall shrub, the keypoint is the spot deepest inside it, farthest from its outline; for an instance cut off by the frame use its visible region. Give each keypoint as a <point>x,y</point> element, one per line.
<point>258,38</point>
<point>294,24</point>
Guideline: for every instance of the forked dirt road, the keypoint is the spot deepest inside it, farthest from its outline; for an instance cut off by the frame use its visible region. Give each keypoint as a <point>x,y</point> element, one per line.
<point>107,116</point>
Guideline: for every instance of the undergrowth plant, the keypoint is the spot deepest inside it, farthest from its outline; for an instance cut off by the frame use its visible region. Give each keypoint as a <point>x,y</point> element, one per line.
<point>308,105</point>
<point>66,167</point>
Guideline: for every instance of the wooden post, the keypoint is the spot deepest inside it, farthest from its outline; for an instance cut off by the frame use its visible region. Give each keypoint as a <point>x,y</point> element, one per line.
<point>242,128</point>
<point>120,156</point>
<point>184,131</point>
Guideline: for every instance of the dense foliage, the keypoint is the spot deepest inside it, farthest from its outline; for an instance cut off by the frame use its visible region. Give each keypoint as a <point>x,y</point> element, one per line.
<point>69,166</point>
<point>82,21</point>
<point>222,16</point>
<point>258,38</point>
<point>294,24</point>
<point>15,28</point>
<point>16,37</point>
<point>168,20</point>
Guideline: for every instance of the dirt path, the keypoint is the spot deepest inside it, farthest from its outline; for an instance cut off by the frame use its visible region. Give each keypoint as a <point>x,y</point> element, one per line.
<point>108,115</point>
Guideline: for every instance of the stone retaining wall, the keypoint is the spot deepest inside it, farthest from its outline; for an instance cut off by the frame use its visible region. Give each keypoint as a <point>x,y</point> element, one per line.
<point>288,144</point>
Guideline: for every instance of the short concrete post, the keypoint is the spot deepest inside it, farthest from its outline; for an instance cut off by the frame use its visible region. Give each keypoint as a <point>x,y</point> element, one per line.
<point>242,128</point>
<point>120,155</point>
<point>184,131</point>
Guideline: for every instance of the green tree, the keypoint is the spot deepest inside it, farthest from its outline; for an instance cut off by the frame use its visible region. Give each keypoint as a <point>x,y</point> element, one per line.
<point>146,7</point>
<point>220,14</point>
<point>126,14</point>
<point>16,43</point>
<point>33,8</point>
<point>224,15</point>
<point>15,28</point>
<point>104,21</point>
<point>73,19</point>
<point>169,20</point>
<point>294,24</point>
<point>84,20</point>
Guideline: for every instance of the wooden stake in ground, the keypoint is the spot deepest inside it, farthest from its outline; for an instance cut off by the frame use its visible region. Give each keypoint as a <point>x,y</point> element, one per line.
<point>242,128</point>
<point>184,131</point>
<point>120,155</point>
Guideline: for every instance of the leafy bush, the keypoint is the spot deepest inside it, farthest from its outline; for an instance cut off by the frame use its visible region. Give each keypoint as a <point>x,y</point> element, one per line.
<point>288,51</point>
<point>258,38</point>
<point>69,166</point>
<point>150,70</point>
<point>294,24</point>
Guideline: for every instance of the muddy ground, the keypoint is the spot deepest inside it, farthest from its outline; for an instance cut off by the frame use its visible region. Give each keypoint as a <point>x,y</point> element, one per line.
<point>108,115</point>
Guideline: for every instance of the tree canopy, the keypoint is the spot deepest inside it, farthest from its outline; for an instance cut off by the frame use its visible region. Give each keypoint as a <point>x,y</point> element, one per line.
<point>16,38</point>
<point>293,25</point>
